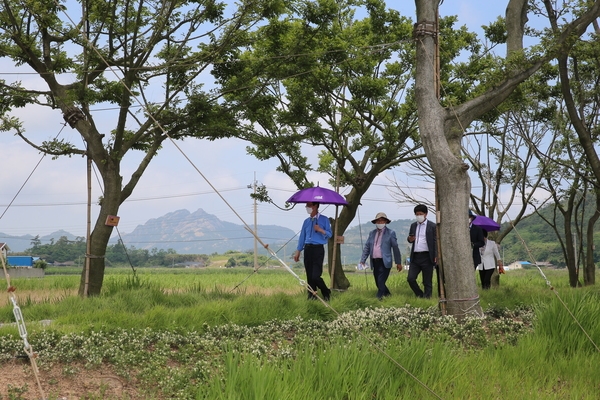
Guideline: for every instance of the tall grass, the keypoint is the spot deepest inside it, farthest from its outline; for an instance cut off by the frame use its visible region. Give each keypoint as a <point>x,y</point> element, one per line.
<point>192,298</point>
<point>574,318</point>
<point>537,367</point>
<point>201,334</point>
<point>353,370</point>
<point>342,370</point>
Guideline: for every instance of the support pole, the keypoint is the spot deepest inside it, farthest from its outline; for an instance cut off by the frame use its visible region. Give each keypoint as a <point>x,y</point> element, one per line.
<point>255,228</point>
<point>88,246</point>
<point>335,234</point>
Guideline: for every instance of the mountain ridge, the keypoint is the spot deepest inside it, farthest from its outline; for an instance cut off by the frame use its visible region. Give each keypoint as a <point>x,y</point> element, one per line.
<point>200,232</point>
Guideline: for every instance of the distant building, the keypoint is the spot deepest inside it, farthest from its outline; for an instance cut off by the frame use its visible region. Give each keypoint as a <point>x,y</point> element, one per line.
<point>518,265</point>
<point>21,261</point>
<point>4,249</point>
<point>544,264</point>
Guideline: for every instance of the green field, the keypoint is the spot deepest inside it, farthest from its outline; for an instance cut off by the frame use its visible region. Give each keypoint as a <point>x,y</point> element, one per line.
<point>219,333</point>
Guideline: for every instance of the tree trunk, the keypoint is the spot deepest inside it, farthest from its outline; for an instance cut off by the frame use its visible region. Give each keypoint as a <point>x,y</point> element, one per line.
<point>570,243</point>
<point>589,271</point>
<point>516,17</point>
<point>345,217</point>
<point>442,147</point>
<point>100,236</point>
<point>340,281</point>
<point>495,279</point>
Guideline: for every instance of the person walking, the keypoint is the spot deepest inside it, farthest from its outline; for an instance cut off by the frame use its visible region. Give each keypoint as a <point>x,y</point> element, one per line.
<point>316,231</point>
<point>477,241</point>
<point>489,257</point>
<point>381,245</point>
<point>423,253</point>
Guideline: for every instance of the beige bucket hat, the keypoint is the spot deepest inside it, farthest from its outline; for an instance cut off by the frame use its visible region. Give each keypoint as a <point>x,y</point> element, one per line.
<point>381,215</point>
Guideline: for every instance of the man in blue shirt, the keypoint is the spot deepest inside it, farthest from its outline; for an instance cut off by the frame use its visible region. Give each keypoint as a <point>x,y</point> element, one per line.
<point>316,231</point>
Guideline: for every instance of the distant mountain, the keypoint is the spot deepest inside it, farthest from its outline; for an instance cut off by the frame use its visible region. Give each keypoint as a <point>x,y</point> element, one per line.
<point>201,233</point>
<point>21,243</point>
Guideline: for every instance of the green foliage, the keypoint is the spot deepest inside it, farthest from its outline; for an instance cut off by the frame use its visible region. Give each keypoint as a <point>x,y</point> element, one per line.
<point>40,264</point>
<point>230,263</point>
<point>60,251</point>
<point>16,392</point>
<point>64,250</point>
<point>496,31</point>
<point>313,76</point>
<point>535,237</point>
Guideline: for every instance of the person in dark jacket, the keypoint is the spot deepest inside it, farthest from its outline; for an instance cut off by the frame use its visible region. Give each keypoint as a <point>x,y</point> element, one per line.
<point>477,239</point>
<point>423,253</point>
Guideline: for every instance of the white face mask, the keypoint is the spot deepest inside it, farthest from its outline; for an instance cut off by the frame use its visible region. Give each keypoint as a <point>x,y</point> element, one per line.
<point>380,226</point>
<point>420,218</point>
<point>309,210</point>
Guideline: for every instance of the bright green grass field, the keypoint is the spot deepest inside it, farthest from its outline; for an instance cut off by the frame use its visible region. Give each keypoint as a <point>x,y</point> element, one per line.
<point>239,334</point>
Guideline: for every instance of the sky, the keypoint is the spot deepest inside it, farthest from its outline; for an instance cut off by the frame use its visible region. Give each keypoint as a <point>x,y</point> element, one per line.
<point>48,195</point>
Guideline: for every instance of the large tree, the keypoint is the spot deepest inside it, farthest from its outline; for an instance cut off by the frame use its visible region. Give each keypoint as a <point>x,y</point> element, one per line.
<point>320,80</point>
<point>579,83</point>
<point>442,125</point>
<point>121,54</point>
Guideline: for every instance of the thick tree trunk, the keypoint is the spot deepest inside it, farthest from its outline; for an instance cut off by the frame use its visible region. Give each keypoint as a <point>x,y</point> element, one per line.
<point>495,279</point>
<point>98,244</point>
<point>340,281</point>
<point>442,147</point>
<point>345,217</point>
<point>100,236</point>
<point>516,18</point>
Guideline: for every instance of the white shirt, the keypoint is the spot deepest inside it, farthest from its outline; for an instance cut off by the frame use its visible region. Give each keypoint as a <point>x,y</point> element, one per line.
<point>420,238</point>
<point>489,255</point>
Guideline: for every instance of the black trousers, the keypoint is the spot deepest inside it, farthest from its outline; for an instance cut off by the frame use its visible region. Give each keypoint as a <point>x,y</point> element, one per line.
<point>381,274</point>
<point>486,278</point>
<point>313,265</point>
<point>420,263</point>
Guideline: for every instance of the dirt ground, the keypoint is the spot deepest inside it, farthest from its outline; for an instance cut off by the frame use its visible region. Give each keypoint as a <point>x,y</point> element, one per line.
<point>17,381</point>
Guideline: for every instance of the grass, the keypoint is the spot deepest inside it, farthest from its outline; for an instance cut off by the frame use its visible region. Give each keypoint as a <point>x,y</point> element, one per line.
<point>204,334</point>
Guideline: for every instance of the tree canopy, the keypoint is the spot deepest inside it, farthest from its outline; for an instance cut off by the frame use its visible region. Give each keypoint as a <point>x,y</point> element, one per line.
<point>321,79</point>
<point>144,60</point>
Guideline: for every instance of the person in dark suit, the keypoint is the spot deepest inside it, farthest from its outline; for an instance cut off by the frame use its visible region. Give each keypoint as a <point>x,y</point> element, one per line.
<point>477,239</point>
<point>380,246</point>
<point>423,253</point>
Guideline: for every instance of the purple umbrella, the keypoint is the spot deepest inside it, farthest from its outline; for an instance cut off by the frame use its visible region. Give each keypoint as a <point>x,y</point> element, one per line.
<point>486,223</point>
<point>318,195</point>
